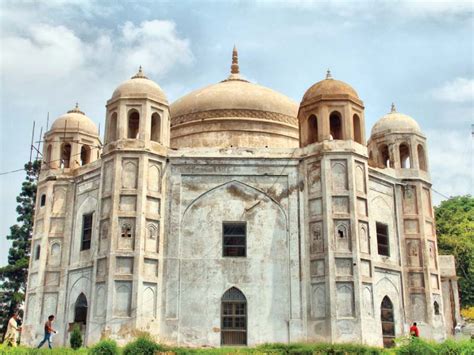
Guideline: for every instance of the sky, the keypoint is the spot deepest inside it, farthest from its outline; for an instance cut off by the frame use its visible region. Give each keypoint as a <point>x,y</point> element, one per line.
<point>418,54</point>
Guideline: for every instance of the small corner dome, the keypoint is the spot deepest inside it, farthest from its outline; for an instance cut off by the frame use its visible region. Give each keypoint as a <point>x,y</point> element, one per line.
<point>75,121</point>
<point>329,87</point>
<point>139,86</point>
<point>395,122</point>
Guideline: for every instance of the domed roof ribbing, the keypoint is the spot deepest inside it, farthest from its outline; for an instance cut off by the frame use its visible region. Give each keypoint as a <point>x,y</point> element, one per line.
<point>395,122</point>
<point>75,121</point>
<point>139,86</point>
<point>329,87</point>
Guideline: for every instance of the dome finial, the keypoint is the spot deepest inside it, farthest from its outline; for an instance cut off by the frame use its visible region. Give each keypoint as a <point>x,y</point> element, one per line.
<point>76,109</point>
<point>393,108</point>
<point>328,74</point>
<point>234,68</point>
<point>140,74</point>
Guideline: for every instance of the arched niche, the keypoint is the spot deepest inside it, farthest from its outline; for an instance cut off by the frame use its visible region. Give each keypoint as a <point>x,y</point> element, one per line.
<point>85,154</point>
<point>133,124</point>
<point>112,130</point>
<point>80,309</point>
<point>384,156</point>
<point>47,158</point>
<point>405,159</point>
<point>155,133</point>
<point>65,155</point>
<point>335,125</point>
<point>357,129</point>
<point>421,158</point>
<point>312,129</point>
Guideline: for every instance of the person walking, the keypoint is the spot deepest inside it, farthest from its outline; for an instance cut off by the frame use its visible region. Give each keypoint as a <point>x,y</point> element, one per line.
<point>414,331</point>
<point>12,330</point>
<point>48,332</point>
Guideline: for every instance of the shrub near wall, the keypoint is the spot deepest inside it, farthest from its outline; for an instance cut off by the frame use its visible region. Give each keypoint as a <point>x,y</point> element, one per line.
<point>142,346</point>
<point>105,347</point>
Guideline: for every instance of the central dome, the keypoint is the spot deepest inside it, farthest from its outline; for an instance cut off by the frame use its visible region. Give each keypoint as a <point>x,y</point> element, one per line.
<point>234,113</point>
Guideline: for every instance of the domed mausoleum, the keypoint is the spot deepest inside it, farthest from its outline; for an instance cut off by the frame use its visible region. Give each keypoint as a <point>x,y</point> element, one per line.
<point>235,216</point>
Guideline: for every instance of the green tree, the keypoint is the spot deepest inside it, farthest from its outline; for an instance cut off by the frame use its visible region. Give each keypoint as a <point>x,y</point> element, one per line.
<point>455,230</point>
<point>14,275</point>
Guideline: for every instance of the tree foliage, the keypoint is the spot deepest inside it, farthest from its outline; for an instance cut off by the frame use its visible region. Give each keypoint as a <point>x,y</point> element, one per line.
<point>455,230</point>
<point>14,275</point>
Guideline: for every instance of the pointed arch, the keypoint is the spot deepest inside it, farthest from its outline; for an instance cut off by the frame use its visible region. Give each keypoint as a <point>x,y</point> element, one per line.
<point>405,158</point>
<point>421,157</point>
<point>112,131</point>
<point>335,125</point>
<point>357,129</point>
<point>312,129</point>
<point>237,184</point>
<point>387,319</point>
<point>133,124</point>
<point>85,154</point>
<point>384,156</point>
<point>233,317</point>
<point>155,133</point>
<point>47,159</point>
<point>80,309</point>
<point>65,155</point>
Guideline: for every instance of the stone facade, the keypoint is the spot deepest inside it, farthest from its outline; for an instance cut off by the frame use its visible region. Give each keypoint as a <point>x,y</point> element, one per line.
<point>339,239</point>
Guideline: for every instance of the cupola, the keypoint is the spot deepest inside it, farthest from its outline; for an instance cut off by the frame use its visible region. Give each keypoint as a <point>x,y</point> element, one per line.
<point>72,141</point>
<point>137,115</point>
<point>397,142</point>
<point>331,110</point>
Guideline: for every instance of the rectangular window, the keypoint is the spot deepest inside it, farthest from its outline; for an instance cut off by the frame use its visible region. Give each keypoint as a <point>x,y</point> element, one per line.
<point>86,231</point>
<point>234,239</point>
<point>382,239</point>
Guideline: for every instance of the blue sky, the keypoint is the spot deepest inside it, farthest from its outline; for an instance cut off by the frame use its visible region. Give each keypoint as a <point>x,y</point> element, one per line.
<point>418,54</point>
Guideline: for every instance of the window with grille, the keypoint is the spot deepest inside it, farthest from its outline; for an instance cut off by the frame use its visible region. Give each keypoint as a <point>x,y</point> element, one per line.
<point>86,231</point>
<point>234,239</point>
<point>382,239</point>
<point>234,318</point>
<point>388,322</point>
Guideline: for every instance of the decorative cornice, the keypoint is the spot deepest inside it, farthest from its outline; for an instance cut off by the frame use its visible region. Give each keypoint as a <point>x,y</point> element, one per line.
<point>244,113</point>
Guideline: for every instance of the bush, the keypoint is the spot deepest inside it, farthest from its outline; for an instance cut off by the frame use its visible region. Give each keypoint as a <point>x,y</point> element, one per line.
<point>105,347</point>
<point>415,346</point>
<point>142,346</point>
<point>76,338</point>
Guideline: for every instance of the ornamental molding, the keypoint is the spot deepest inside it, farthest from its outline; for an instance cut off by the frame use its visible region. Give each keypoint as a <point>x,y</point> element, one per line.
<point>244,113</point>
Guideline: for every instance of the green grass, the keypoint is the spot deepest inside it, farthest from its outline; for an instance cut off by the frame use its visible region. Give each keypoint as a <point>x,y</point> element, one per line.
<point>405,346</point>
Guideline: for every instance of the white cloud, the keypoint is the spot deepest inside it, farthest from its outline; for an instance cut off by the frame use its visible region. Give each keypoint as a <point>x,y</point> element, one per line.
<point>451,162</point>
<point>457,90</point>
<point>43,58</point>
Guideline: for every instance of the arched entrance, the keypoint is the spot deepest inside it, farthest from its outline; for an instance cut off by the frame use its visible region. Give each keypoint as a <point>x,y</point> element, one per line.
<point>233,318</point>
<point>388,322</point>
<point>80,309</point>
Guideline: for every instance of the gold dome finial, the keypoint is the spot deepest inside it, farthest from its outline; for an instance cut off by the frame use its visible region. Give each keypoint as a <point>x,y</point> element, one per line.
<point>76,109</point>
<point>140,74</point>
<point>328,74</point>
<point>393,108</point>
<point>234,68</point>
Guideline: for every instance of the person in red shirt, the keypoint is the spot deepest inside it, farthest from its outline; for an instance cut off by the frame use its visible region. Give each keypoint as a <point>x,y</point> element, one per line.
<point>48,332</point>
<point>414,331</point>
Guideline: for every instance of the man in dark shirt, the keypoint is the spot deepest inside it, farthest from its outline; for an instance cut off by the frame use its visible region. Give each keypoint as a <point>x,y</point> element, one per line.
<point>48,332</point>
